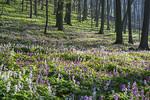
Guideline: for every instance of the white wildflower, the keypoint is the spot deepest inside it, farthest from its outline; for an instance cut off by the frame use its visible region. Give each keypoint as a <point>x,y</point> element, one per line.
<point>8,86</point>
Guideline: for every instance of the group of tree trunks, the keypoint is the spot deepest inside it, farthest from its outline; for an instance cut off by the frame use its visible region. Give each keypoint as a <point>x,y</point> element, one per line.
<point>120,25</point>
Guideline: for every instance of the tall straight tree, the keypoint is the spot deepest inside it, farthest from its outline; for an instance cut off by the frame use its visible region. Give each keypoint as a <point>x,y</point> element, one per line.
<point>125,18</point>
<point>91,13</point>
<point>96,13</point>
<point>145,29</point>
<point>30,8</point>
<point>26,5</point>
<point>102,17</point>
<point>8,2</point>
<point>108,13</point>
<point>79,10</point>
<point>45,31</point>
<point>35,7</point>
<point>129,22</point>
<point>55,7</point>
<point>60,15</point>
<point>85,10</point>
<point>68,12</point>
<point>119,38</point>
<point>22,5</point>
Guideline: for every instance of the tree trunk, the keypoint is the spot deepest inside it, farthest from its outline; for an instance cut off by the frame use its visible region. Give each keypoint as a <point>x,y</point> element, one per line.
<point>96,13</point>
<point>26,5</point>
<point>125,18</point>
<point>8,2</point>
<point>60,15</point>
<point>144,38</point>
<point>68,13</point>
<point>35,7</point>
<point>115,14</point>
<point>108,11</point>
<point>91,13</point>
<point>30,8</point>
<point>119,39</point>
<point>45,31</point>
<point>22,5</point>
<point>102,18</point>
<point>79,10</point>
<point>55,7</point>
<point>85,10</point>
<point>129,22</point>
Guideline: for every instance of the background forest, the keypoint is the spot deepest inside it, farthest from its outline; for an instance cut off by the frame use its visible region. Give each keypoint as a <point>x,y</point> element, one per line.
<point>74,50</point>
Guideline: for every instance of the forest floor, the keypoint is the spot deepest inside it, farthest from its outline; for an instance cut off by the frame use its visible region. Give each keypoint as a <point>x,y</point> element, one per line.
<point>74,63</point>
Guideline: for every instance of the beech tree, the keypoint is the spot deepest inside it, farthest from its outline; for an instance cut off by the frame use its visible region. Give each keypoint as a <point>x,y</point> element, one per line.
<point>60,15</point>
<point>145,29</point>
<point>35,7</point>
<point>22,5</point>
<point>129,22</point>
<point>45,31</point>
<point>85,11</point>
<point>119,38</point>
<point>8,2</point>
<point>68,12</point>
<point>108,15</point>
<point>79,10</point>
<point>30,8</point>
<point>102,17</point>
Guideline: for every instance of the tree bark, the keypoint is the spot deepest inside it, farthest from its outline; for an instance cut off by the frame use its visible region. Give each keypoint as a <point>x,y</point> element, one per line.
<point>102,18</point>
<point>85,10</point>
<point>68,13</point>
<point>30,8</point>
<point>8,2</point>
<point>91,13</point>
<point>129,22</point>
<point>108,13</point>
<point>144,38</point>
<point>79,10</point>
<point>22,5</point>
<point>55,7</point>
<point>60,15</point>
<point>119,38</point>
<point>96,13</point>
<point>35,7</point>
<point>45,31</point>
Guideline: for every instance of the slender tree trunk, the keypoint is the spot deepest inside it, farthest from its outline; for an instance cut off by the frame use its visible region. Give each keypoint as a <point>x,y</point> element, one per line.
<point>91,13</point>
<point>108,13</point>
<point>35,7</point>
<point>85,10</point>
<point>26,5</point>
<point>99,10</point>
<point>125,17</point>
<point>39,1</point>
<point>22,5</point>
<point>30,8</point>
<point>102,18</point>
<point>119,38</point>
<point>144,38</point>
<point>79,10</point>
<point>45,31</point>
<point>60,15</point>
<point>129,22</point>
<point>96,13</point>
<point>68,13</point>
<point>115,14</point>
<point>8,2</point>
<point>55,7</point>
